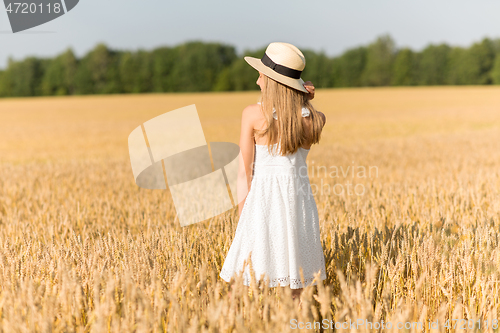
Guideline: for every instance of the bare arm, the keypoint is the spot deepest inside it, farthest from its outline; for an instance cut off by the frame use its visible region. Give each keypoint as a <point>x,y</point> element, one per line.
<point>246,159</point>
<point>310,87</point>
<point>323,117</point>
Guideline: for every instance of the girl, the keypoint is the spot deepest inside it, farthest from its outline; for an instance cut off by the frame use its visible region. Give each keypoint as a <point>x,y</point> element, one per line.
<point>278,225</point>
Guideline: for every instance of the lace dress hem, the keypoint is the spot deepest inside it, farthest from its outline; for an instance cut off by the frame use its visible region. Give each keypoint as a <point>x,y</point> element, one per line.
<point>275,282</point>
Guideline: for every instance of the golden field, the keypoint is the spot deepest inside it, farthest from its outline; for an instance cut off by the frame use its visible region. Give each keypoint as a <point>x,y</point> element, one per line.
<point>83,249</point>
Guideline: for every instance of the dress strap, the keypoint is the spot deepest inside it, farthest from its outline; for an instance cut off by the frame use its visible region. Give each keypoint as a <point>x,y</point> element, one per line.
<point>305,112</point>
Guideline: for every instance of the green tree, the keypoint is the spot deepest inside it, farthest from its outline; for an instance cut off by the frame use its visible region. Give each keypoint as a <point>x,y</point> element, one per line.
<point>145,72</point>
<point>240,75</point>
<point>481,59</point>
<point>347,69</point>
<point>58,78</point>
<point>99,62</point>
<point>404,68</point>
<point>22,78</point>
<point>472,65</point>
<point>458,66</point>
<point>318,69</point>
<point>379,61</point>
<point>98,72</point>
<point>163,61</point>
<point>495,72</point>
<point>198,65</point>
<point>128,70</point>
<point>136,71</point>
<point>3,93</point>
<point>433,65</point>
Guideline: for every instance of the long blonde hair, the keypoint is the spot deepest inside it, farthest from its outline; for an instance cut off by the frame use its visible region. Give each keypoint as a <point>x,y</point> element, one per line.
<point>288,130</point>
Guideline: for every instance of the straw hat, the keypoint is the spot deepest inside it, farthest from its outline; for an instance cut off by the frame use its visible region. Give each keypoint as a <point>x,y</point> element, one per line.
<point>282,62</point>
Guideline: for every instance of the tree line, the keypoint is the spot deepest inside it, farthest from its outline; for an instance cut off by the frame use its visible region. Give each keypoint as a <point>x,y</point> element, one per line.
<point>197,66</point>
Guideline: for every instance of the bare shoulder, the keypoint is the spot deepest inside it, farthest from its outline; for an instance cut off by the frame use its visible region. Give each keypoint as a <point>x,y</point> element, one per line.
<point>251,114</point>
<point>252,110</point>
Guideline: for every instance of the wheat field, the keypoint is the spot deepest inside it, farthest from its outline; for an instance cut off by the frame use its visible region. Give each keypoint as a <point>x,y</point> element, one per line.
<point>410,238</point>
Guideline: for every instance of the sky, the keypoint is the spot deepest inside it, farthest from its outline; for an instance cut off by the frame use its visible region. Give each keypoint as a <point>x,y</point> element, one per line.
<point>330,26</point>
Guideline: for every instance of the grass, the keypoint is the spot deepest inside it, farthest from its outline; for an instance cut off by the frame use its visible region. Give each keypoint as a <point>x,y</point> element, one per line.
<point>83,249</point>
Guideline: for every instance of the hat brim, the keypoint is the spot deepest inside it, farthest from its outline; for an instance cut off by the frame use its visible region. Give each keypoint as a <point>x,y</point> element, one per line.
<point>293,83</point>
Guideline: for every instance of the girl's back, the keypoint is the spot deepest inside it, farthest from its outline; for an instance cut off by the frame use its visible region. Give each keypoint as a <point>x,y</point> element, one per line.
<point>279,224</point>
<point>278,227</point>
<point>307,123</point>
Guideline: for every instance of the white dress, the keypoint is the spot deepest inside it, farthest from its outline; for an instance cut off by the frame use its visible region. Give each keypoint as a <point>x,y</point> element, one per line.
<point>279,223</point>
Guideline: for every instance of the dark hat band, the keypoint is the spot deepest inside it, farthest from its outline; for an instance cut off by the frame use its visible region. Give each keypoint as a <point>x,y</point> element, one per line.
<point>283,70</point>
